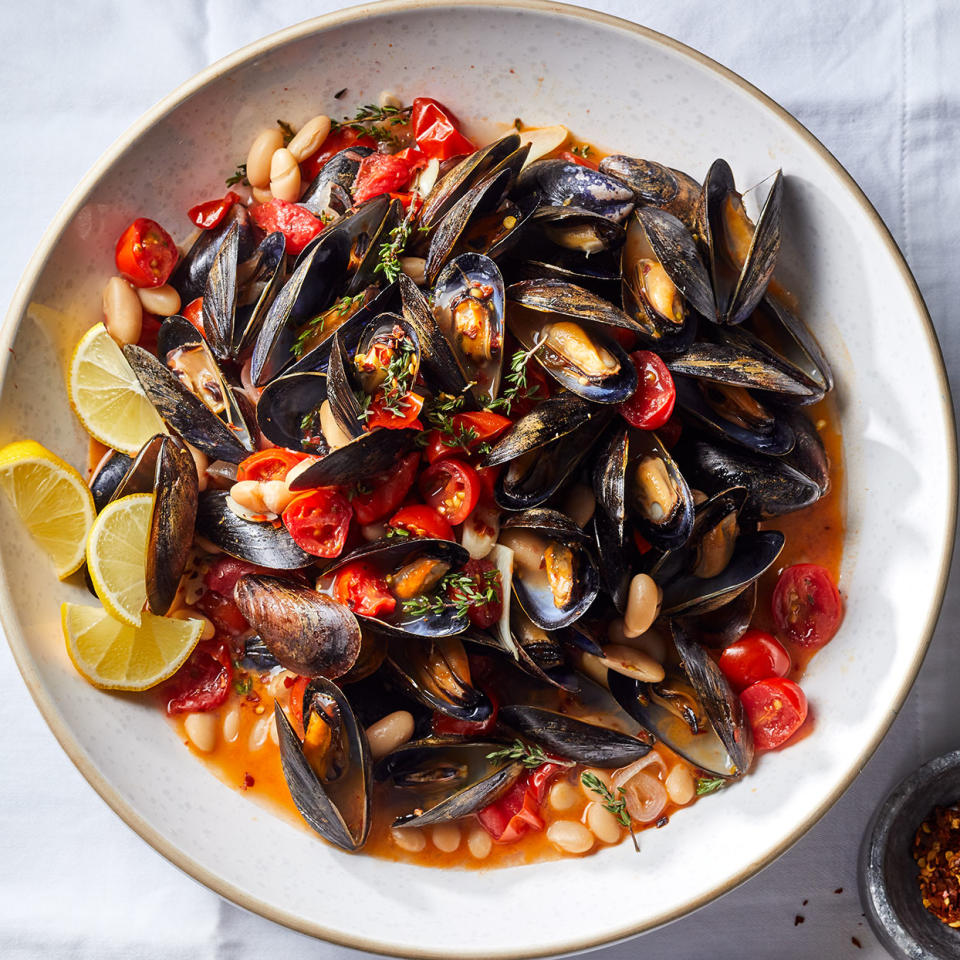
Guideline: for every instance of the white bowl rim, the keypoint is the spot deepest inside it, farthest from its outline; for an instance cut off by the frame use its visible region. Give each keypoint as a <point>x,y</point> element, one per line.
<point>238,58</point>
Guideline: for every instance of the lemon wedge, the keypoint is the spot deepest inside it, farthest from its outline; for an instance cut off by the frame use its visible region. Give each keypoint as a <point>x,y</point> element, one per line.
<point>53,502</point>
<point>118,656</point>
<point>117,556</point>
<point>106,395</point>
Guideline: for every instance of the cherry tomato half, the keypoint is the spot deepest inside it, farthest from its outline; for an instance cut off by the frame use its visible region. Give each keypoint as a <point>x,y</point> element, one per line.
<point>452,488</point>
<point>297,690</point>
<point>146,254</point>
<point>410,404</point>
<point>486,577</point>
<point>652,402</point>
<point>360,587</point>
<point>337,140</point>
<point>435,130</point>
<point>381,495</point>
<point>776,709</point>
<point>383,173</point>
<point>203,682</point>
<point>807,608</point>
<point>480,426</point>
<point>224,613</point>
<point>210,213</point>
<point>271,464</point>
<point>193,312</point>
<point>297,224</point>
<point>515,813</point>
<point>757,655</point>
<point>318,521</point>
<point>422,521</point>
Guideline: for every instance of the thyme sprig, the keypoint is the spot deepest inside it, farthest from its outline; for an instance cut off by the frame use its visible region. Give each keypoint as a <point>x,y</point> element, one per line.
<point>343,307</point>
<point>375,121</point>
<point>238,176</point>
<point>707,785</point>
<point>393,392</point>
<point>287,130</point>
<point>517,381</point>
<point>615,803</point>
<point>466,592</point>
<point>581,150</point>
<point>530,755</point>
<point>388,257</point>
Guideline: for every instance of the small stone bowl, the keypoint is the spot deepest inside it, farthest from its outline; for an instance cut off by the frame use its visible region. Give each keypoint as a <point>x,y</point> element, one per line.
<point>889,890</point>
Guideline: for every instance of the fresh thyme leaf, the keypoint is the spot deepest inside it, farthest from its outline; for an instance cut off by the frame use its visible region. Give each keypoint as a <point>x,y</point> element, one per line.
<point>374,121</point>
<point>288,132</point>
<point>243,683</point>
<point>530,755</point>
<point>582,150</point>
<point>340,93</point>
<point>615,803</point>
<point>388,257</point>
<point>238,176</point>
<point>707,785</point>
<point>467,593</point>
<point>517,381</point>
<point>397,532</point>
<point>461,436</point>
<point>315,325</point>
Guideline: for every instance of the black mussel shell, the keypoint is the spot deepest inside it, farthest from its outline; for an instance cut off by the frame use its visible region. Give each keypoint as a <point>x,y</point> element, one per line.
<point>599,273</point>
<point>366,247</point>
<point>568,300</point>
<point>794,337</point>
<point>725,625</point>
<point>364,457</point>
<point>773,487</point>
<point>220,295</point>
<point>308,633</point>
<point>105,481</point>
<point>564,736</point>
<point>808,455</point>
<point>613,559</point>
<point>260,543</point>
<point>610,481</point>
<point>338,807</point>
<point>288,411</point>
<point>257,655</point>
<point>562,183</point>
<point>263,276</point>
<point>576,229</point>
<point>656,185</point>
<point>339,171</point>
<point>447,779</point>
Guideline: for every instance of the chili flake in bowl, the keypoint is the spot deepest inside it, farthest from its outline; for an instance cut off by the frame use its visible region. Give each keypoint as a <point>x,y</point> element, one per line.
<point>936,848</point>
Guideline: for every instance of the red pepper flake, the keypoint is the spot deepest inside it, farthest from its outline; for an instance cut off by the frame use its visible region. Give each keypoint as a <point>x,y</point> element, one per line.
<point>936,849</point>
<point>248,782</point>
<point>856,943</point>
<point>805,902</point>
<point>838,890</point>
<point>797,920</point>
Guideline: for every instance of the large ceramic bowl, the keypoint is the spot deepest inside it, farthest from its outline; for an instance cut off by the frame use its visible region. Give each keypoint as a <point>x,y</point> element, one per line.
<point>620,86</point>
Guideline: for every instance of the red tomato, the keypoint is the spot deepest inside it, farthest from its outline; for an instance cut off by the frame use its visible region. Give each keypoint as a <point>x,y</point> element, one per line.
<point>149,331</point>
<point>272,464</point>
<point>383,173</point>
<point>510,817</point>
<point>486,614</point>
<point>541,778</point>
<point>444,725</point>
<point>669,433</point>
<point>488,482</point>
<point>222,577</point>
<point>318,521</point>
<point>387,491</point>
<point>297,690</point>
<point>360,587</point>
<point>776,709</point>
<point>210,213</point>
<point>536,391</point>
<point>755,656</point>
<point>337,140</point>
<point>224,613</point>
<point>807,608</point>
<point>652,402</point>
<point>421,521</point>
<point>642,543</point>
<point>435,129</point>
<point>410,403</point>
<point>203,682</point>
<point>146,254</point>
<point>452,488</point>
<point>577,159</point>
<point>482,426</point>
<point>193,312</point>
<point>297,224</point>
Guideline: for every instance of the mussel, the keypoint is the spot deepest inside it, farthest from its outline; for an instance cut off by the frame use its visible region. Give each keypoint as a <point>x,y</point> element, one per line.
<point>562,183</point>
<point>656,185</point>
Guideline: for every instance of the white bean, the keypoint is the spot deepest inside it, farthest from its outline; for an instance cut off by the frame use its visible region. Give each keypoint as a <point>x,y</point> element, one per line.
<point>274,734</point>
<point>333,433</point>
<point>527,548</point>
<point>389,732</point>
<point>261,194</point>
<point>231,723</point>
<point>680,785</point>
<point>602,823</point>
<point>389,99</point>
<point>446,837</point>
<point>570,836</point>
<point>579,504</point>
<point>201,730</point>
<point>284,176</point>
<point>480,843</point>
<point>261,151</point>
<point>309,138</point>
<point>410,839</point>
<point>373,531</point>
<point>643,605</point>
<point>276,495</point>
<point>249,494</point>
<point>602,776</point>
<point>161,301</point>
<point>260,732</point>
<point>415,268</point>
<point>563,795</point>
<point>632,663</point>
<point>122,311</point>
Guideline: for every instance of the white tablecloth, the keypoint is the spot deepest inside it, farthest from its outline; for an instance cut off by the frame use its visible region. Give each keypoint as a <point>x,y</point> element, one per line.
<point>878,81</point>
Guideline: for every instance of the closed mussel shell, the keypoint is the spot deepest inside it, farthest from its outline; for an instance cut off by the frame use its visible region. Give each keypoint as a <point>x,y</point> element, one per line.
<point>563,183</point>
<point>577,229</point>
<point>656,185</point>
<point>288,411</point>
<point>110,472</point>
<point>220,295</point>
<point>363,457</point>
<point>564,736</point>
<point>339,171</point>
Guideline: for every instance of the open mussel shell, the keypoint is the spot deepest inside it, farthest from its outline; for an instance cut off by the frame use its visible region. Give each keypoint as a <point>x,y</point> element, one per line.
<point>183,411</point>
<point>577,229</point>
<point>610,480</point>
<point>773,487</point>
<point>189,277</point>
<point>568,300</point>
<point>285,408</point>
<point>220,295</point>
<point>366,241</point>
<point>808,455</point>
<point>446,779</point>
<point>613,559</point>
<point>733,413</point>
<point>340,171</point>
<point>436,673</point>
<point>260,543</point>
<point>539,653</point>
<point>392,559</point>
<point>337,804</point>
<point>363,457</point>
<point>567,582</point>
<point>110,471</point>
<point>658,499</point>
<point>564,736</point>
<point>740,268</point>
<point>727,624</point>
<point>656,185</point>
<point>308,633</point>
<point>469,307</point>
<point>599,273</point>
<point>562,183</point>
